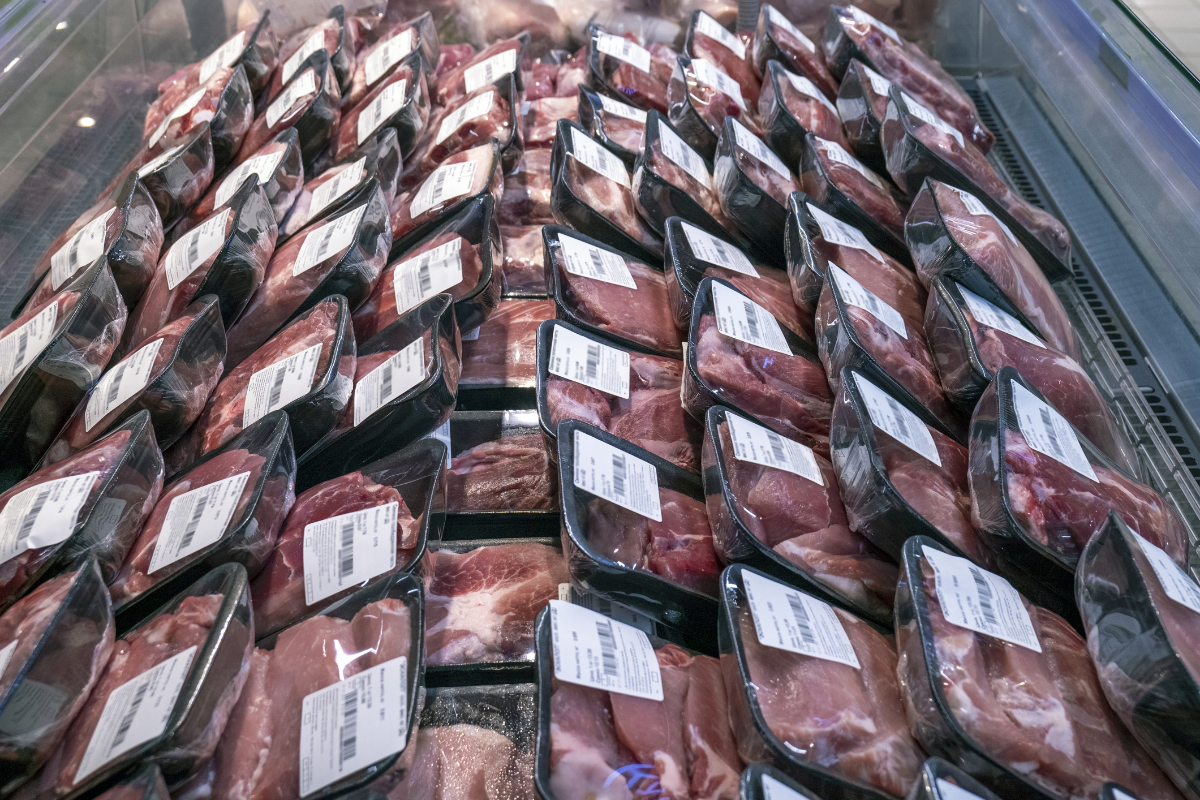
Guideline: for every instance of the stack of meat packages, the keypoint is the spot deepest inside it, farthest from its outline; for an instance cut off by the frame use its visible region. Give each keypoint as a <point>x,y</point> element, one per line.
<point>424,421</point>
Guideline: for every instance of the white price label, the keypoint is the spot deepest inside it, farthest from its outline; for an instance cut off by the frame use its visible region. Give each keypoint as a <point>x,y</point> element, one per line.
<point>315,42</point>
<point>388,102</point>
<point>593,650</point>
<point>1048,432</point>
<point>835,152</point>
<point>271,388</point>
<point>774,790</point>
<point>855,294</point>
<point>190,102</point>
<point>948,791</point>
<point>788,619</point>
<point>710,75</point>
<point>293,93</point>
<point>446,183</point>
<point>622,109</point>
<point>741,318</point>
<point>7,653</point>
<point>591,153</point>
<point>678,151</point>
<point>976,208</point>
<point>197,519</point>
<point>136,712</point>
<point>389,380</point>
<point>262,167</point>
<point>196,247</point>
<point>925,115</point>
<point>352,724</point>
<point>897,421</point>
<point>779,19</point>
<point>578,358</point>
<point>760,445</point>
<point>864,18</point>
<point>19,348</point>
<point>490,71</point>
<point>81,250</point>
<point>842,234</point>
<point>879,84</point>
<point>347,178</point>
<point>35,706</point>
<point>709,248</point>
<point>980,601</point>
<point>329,240</point>
<point>606,607</point>
<point>755,147</point>
<point>1174,581</point>
<point>224,56</point>
<point>623,49</point>
<point>120,383</point>
<point>616,476</point>
<point>348,549</point>
<point>995,317</point>
<point>474,108</point>
<point>419,278</point>
<point>714,30</point>
<point>590,261</point>
<point>806,87</point>
<point>43,515</point>
<point>159,160</point>
<point>387,54</point>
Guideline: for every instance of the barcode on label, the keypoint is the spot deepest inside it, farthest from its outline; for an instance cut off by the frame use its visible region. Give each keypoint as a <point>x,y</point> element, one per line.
<point>329,240</point>
<point>489,71</point>
<point>590,261</point>
<point>419,278</point>
<point>801,616</point>
<point>83,248</point>
<point>836,232</point>
<point>197,519</point>
<point>391,379</point>
<point>994,317</point>
<point>984,590</point>
<point>121,383</point>
<point>592,650</point>
<point>788,619</point>
<point>575,357</point>
<point>343,181</point>
<point>474,108</point>
<point>262,167</point>
<point>707,247</point>
<point>596,156</point>
<point>293,93</point>
<point>622,109</point>
<point>348,549</point>
<point>979,600</point>
<point>621,48</point>
<point>889,416</point>
<point>755,147</point>
<point>224,56</point>
<point>31,516</point>
<point>196,247</point>
<point>925,115</point>
<point>855,294</point>
<point>741,318</point>
<point>275,386</point>
<point>616,476</point>
<point>44,514</point>
<point>386,54</point>
<point>710,75</point>
<point>22,346</point>
<point>608,647</point>
<point>714,30</point>
<point>389,101</point>
<point>310,45</point>
<point>678,151</point>
<point>760,445</point>
<point>1048,432</point>
<point>446,183</point>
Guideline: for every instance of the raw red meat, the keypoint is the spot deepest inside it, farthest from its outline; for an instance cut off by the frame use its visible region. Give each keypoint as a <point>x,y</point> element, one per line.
<point>687,92</point>
<point>526,199</point>
<point>504,350</point>
<point>815,116</point>
<point>259,755</point>
<point>617,129</point>
<point>678,549</point>
<point>278,591</point>
<point>538,79</point>
<point>803,57</point>
<point>572,74</point>
<point>771,289</point>
<point>394,43</point>
<point>453,56</point>
<point>651,417</point>
<point>480,605</point>
<point>272,120</point>
<point>773,183</point>
<point>381,161</point>
<point>289,67</point>
<point>703,193</point>
<point>468,121</point>
<point>265,47</point>
<point>738,67</point>
<point>181,114</point>
<point>465,762</point>
<point>511,473</point>
<point>452,83</point>
<point>644,89</point>
<point>524,269</point>
<point>541,119</point>
<point>486,174</point>
<point>610,200</point>
<point>877,198</point>
<point>282,185</point>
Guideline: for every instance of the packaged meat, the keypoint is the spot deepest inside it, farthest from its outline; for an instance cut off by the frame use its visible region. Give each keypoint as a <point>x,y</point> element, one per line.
<point>383,57</point>
<point>739,355</point>
<point>635,530</point>
<point>145,784</point>
<point>355,667</point>
<point>330,35</point>
<point>341,185</point>
<point>351,531</point>
<point>708,39</point>
<point>310,102</point>
<point>618,126</point>
<point>404,388</point>
<point>396,17</point>
<point>523,272</point>
<point>125,229</point>
<point>488,66</point>
<point>539,122</point>
<point>971,339</point>
<point>499,473</point>
<point>228,507</point>
<point>459,256</point>
<point>791,107</point>
<point>226,256</point>
<point>591,192</point>
<point>52,355</point>
<point>812,690</point>
<point>753,185</point>
<point>488,113</point>
<point>399,101</point>
<point>225,101</point>
<point>862,101</point>
<point>171,377</point>
<point>774,504</point>
<point>918,144</point>
<point>255,47</point>
<point>899,476</point>
<point>600,289</point>
<point>177,177</point>
<point>187,661</point>
<point>538,75</point>
<point>481,598</point>
<point>502,352</point>
<point>527,191</point>
<point>620,67</point>
<point>1004,688</point>
<point>950,233</point>
<point>1139,609</point>
<point>618,740</point>
<point>777,39</point>
<point>461,180</point>
<point>453,56</point>
<point>844,187</point>
<point>305,369</point>
<point>760,782</point>
<point>1040,490</point>
<point>700,96</point>
<point>342,255</point>
<point>941,780</point>
<point>851,32</point>
<point>92,503</point>
<point>629,394</point>
<point>56,641</point>
<point>693,255</point>
<point>572,74</point>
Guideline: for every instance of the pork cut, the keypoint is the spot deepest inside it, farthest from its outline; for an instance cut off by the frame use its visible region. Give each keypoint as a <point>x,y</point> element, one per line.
<point>730,53</point>
<point>385,56</point>
<point>467,121</point>
<point>523,271</point>
<point>168,124</point>
<point>833,167</point>
<point>465,762</point>
<point>255,46</point>
<point>310,103</point>
<point>771,290</point>
<point>645,88</point>
<point>472,74</point>
<point>862,103</point>
<point>786,92</point>
<point>510,473</point>
<point>279,170</point>
<point>572,74</point>
<point>701,95</point>
<point>540,121</point>
<point>460,176</point>
<point>503,351</point>
<point>453,56</point>
<point>607,198</point>
<point>526,199</point>
<point>328,35</point>
<point>776,37</point>
<point>758,163</point>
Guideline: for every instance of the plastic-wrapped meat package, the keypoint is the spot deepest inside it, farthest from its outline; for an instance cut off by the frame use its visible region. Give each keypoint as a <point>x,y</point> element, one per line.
<point>145,784</point>
<point>540,121</point>
<point>672,179</point>
<point>509,473</point>
<point>651,416</point>
<point>852,33</point>
<point>753,185</point>
<point>1139,614</point>
<point>523,272</point>
<point>526,199</point>
<point>225,255</point>
<point>793,511</point>
<point>465,175</point>
<point>401,102</point>
<point>380,60</point>
<point>790,107</point>
<point>602,290</point>
<point>972,339</point>
<point>538,78</point>
<point>1012,697</point>
<point>503,350</point>
<point>616,125</point>
<point>310,103</point>
<point>329,35</point>
<point>833,178</point>
<point>776,38</point>
<point>453,56</point>
<point>481,599</point>
<point>700,96</point>
<point>709,40</point>
<point>224,101</point>
<point>572,74</point>
<point>255,46</point>
<point>343,254</point>
<point>488,66</point>
<point>758,163</point>
<point>490,113</point>
<point>621,67</point>
<point>950,233</point>
<point>862,102</point>
<point>832,713</point>
<point>171,377</point>
<point>178,176</point>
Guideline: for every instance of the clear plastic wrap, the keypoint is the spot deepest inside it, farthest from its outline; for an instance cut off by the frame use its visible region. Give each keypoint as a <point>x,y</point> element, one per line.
<point>787,392</point>
<point>1013,699</point>
<point>798,703</point>
<point>941,780</point>
<point>600,289</point>
<point>651,416</point>
<point>917,145</point>
<point>523,272</point>
<point>452,56</point>
<point>255,46</point>
<point>178,177</point>
<point>780,520</point>
<point>527,191</point>
<point>310,103</point>
<point>490,113</point>
<point>500,480</point>
<point>862,102</point>
<point>400,101</point>
<point>708,39</point>
<point>489,65</point>
<point>397,13</point>
<point>386,53</point>
<point>969,351</point>
<point>1139,616</point>
<point>343,254</point>
<point>700,96</point>
<point>789,108</point>
<point>460,180</point>
<point>225,101</point>
<point>951,234</point>
<point>753,184</point>
<point>539,119</point>
<point>618,126</point>
<point>629,72</point>
<point>850,33</point>
<point>503,350</point>
<point>332,36</point>
<point>776,38</point>
<point>145,784</point>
